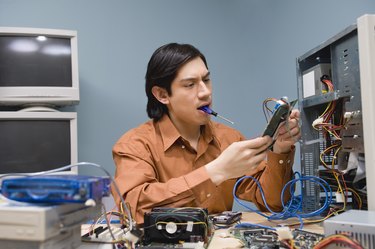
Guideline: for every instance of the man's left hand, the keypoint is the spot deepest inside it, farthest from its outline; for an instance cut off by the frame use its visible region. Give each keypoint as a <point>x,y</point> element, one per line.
<point>288,133</point>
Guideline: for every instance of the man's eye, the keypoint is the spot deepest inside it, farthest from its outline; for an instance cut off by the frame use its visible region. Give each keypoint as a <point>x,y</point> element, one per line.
<point>189,85</point>
<point>207,80</point>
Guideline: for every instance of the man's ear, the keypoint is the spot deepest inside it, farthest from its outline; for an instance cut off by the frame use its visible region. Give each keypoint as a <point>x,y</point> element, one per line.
<point>160,94</point>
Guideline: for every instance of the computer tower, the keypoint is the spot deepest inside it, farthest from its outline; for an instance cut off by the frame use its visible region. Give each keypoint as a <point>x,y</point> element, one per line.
<point>335,100</point>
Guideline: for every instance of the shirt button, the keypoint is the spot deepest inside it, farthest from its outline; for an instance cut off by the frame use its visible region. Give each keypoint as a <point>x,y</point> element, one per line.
<point>183,146</point>
<point>208,195</point>
<point>288,161</point>
<point>281,161</point>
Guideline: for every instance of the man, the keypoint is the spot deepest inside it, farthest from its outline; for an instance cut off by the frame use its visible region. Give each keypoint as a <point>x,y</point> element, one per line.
<point>181,158</point>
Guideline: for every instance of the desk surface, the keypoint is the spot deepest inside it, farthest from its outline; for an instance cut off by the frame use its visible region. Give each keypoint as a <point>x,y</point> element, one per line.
<point>222,238</point>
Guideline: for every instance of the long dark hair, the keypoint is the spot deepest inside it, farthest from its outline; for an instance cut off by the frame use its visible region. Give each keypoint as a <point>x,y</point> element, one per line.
<point>162,70</point>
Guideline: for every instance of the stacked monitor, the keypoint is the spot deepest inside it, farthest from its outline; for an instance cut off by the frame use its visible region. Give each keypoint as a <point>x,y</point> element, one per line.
<point>38,76</point>
<point>37,141</point>
<point>38,66</point>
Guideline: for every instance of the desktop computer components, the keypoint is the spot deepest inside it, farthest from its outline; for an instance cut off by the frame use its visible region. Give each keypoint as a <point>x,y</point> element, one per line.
<point>280,114</point>
<point>104,234</point>
<point>226,218</point>
<point>176,225</point>
<point>312,85</point>
<point>68,240</point>
<point>306,239</point>
<point>40,226</point>
<point>330,100</point>
<point>259,238</point>
<point>358,224</point>
<point>56,188</point>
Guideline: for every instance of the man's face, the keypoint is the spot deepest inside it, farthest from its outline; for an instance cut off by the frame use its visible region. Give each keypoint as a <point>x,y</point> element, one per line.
<point>190,90</point>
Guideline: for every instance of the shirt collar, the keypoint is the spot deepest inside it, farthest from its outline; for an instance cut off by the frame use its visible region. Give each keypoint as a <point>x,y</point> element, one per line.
<point>170,134</point>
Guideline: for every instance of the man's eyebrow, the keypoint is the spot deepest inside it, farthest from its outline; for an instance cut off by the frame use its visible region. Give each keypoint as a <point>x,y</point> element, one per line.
<point>194,78</point>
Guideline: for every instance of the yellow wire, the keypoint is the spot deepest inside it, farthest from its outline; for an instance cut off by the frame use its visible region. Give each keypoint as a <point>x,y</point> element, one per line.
<point>330,132</point>
<point>323,153</point>
<point>359,197</point>
<point>291,243</point>
<point>326,110</point>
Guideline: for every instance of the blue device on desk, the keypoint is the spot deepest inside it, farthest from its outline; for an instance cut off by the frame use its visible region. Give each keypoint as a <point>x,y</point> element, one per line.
<point>56,188</point>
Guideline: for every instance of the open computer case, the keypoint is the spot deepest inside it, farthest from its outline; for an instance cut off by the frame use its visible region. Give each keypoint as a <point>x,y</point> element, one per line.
<point>336,93</point>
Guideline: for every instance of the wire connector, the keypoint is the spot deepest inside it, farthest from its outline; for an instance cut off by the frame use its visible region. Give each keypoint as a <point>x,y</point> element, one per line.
<point>317,121</point>
<point>284,233</point>
<point>133,235</point>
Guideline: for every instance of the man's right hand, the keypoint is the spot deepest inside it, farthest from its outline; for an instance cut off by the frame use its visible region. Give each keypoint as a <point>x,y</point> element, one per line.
<point>238,159</point>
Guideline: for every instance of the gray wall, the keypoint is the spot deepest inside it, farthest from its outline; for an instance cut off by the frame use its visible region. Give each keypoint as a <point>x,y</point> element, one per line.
<point>251,47</point>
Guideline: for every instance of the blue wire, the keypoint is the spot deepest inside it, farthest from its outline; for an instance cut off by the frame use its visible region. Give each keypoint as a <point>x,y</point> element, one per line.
<point>294,205</point>
<point>315,179</point>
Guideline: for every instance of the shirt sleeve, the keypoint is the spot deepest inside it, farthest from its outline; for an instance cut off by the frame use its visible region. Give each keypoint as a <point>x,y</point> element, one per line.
<point>137,181</point>
<point>272,175</point>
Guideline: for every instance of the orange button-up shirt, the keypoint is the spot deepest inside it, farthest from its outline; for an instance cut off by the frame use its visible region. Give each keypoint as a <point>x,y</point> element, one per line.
<point>156,167</point>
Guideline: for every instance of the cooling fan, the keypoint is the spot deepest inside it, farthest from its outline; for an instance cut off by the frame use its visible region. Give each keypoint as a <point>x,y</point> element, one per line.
<point>173,225</point>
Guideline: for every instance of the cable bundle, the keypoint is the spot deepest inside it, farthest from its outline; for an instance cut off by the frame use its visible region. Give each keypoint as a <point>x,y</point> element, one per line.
<point>294,207</point>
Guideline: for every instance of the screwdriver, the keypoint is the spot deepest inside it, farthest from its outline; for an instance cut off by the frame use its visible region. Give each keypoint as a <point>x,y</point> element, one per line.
<point>208,110</point>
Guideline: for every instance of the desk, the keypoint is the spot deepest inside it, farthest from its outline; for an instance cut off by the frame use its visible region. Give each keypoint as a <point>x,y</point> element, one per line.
<point>222,238</point>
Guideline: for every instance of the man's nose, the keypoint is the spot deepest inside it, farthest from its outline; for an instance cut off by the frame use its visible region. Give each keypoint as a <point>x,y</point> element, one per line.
<point>204,90</point>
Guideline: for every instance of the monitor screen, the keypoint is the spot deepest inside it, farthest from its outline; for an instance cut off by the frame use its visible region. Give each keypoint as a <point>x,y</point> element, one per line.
<point>37,141</point>
<point>38,66</point>
<point>35,61</point>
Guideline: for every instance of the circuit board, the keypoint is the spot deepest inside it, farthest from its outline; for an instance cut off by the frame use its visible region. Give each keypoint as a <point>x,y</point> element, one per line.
<point>260,238</point>
<point>168,245</point>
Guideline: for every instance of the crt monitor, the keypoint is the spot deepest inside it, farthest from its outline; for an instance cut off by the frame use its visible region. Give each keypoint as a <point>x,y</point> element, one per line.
<point>37,141</point>
<point>38,67</point>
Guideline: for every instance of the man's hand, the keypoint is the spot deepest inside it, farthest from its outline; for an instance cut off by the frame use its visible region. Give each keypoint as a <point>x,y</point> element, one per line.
<point>288,134</point>
<point>238,159</point>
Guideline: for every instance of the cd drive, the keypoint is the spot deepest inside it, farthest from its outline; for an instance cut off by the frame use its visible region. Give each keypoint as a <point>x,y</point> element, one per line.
<point>40,223</point>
